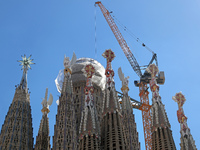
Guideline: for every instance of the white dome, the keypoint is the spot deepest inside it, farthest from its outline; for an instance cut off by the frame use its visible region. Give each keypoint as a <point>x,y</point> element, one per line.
<point>98,78</point>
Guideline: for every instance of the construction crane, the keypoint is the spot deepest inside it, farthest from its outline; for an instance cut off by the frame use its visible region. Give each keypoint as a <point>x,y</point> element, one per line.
<point>135,104</point>
<point>144,78</point>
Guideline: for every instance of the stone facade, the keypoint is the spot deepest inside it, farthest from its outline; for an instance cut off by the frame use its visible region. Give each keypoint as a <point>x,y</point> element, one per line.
<point>162,138</point>
<point>89,116</point>
<point>43,138</point>
<point>17,132</point>
<point>187,141</point>
<point>89,127</point>
<point>112,130</point>
<point>129,123</point>
<point>128,117</point>
<point>65,133</point>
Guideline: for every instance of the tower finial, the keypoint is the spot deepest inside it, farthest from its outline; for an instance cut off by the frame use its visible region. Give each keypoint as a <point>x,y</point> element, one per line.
<point>46,103</point>
<point>124,80</point>
<point>66,72</point>
<point>109,55</point>
<point>160,126</point>
<point>89,71</point>
<point>25,63</point>
<point>187,140</point>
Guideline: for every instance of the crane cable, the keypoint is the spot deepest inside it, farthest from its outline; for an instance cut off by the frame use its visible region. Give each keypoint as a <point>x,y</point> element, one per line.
<point>131,34</point>
<point>95,34</point>
<point>125,29</point>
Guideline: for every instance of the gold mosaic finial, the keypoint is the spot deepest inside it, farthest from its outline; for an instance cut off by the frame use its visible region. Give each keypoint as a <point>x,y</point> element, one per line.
<point>153,70</point>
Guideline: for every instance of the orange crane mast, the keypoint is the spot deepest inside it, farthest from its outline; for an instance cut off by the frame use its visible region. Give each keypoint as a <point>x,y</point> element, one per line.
<point>145,108</point>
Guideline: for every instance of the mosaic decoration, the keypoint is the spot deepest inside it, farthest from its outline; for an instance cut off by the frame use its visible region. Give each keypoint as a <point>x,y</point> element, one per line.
<point>110,85</point>
<point>112,117</point>
<point>89,70</point>
<point>109,55</point>
<point>153,70</point>
<point>88,126</point>
<point>180,99</point>
<point>182,119</point>
<point>161,134</point>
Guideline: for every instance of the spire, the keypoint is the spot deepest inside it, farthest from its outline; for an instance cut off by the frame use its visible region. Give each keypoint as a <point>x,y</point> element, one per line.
<point>17,131</point>
<point>110,103</point>
<point>66,73</point>
<point>89,126</point>
<point>25,63</point>
<point>160,117</point>
<point>161,132</point>
<point>128,116</point>
<point>112,131</point>
<point>46,104</point>
<point>187,142</point>
<point>65,135</point>
<point>43,139</point>
<point>126,103</point>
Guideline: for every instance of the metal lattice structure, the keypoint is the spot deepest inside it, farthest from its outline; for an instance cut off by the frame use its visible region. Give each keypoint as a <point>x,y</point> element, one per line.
<point>146,116</point>
<point>132,60</point>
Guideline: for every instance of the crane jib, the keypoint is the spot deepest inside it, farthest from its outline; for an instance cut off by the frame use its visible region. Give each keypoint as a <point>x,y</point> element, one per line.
<point>146,116</point>
<point>132,60</point>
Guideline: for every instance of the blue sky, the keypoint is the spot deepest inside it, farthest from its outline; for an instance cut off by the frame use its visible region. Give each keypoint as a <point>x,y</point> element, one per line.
<point>50,29</point>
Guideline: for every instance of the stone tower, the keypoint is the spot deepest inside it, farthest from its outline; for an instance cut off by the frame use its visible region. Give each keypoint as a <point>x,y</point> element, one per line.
<point>79,80</point>
<point>187,142</point>
<point>17,131</point>
<point>128,116</point>
<point>112,133</point>
<point>65,135</point>
<point>89,126</point>
<point>43,139</point>
<point>161,132</point>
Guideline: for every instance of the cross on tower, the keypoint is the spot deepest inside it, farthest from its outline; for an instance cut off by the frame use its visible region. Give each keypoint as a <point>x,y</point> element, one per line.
<point>109,55</point>
<point>89,69</point>
<point>180,99</point>
<point>153,70</point>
